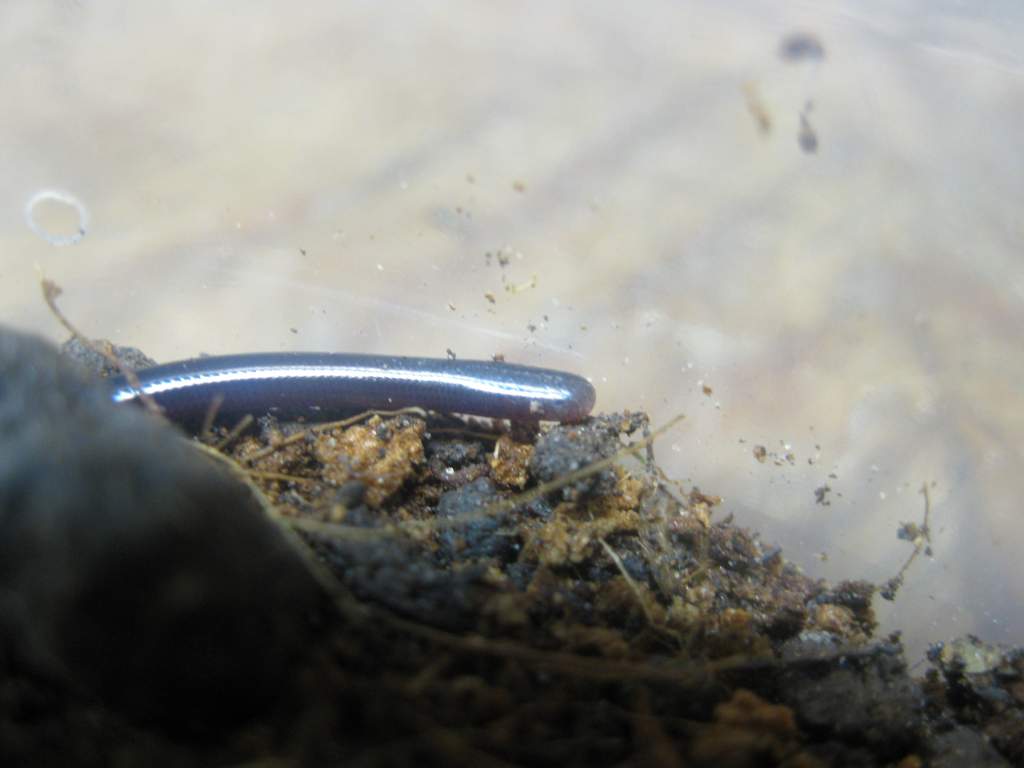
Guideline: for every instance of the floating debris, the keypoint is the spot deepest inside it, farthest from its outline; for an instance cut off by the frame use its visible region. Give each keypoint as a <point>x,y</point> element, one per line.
<point>801,46</point>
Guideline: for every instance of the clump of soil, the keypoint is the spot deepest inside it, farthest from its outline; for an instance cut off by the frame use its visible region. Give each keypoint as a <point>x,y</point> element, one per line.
<point>548,597</point>
<point>542,596</point>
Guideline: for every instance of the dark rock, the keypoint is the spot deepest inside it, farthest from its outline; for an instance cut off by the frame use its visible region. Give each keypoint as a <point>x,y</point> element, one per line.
<point>92,361</point>
<point>132,566</point>
<point>864,698</point>
<point>963,747</point>
<point>455,454</point>
<point>477,535</point>
<point>396,575</point>
<point>566,448</point>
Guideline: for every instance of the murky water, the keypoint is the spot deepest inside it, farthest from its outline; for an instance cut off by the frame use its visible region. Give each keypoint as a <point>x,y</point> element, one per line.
<point>829,238</point>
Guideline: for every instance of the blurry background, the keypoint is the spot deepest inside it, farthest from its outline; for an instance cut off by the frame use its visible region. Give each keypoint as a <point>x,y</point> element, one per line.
<point>811,209</point>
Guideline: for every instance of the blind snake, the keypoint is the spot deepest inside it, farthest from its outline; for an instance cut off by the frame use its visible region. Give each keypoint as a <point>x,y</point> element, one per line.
<point>318,386</point>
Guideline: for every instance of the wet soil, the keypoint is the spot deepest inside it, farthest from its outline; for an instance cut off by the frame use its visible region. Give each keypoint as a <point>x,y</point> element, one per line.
<point>407,589</point>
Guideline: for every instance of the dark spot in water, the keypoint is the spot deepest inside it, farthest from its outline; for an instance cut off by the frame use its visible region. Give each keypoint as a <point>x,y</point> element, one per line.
<point>807,138</point>
<point>801,46</point>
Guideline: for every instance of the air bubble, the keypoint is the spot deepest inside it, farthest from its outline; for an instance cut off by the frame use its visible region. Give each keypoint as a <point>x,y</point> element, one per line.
<point>63,199</point>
